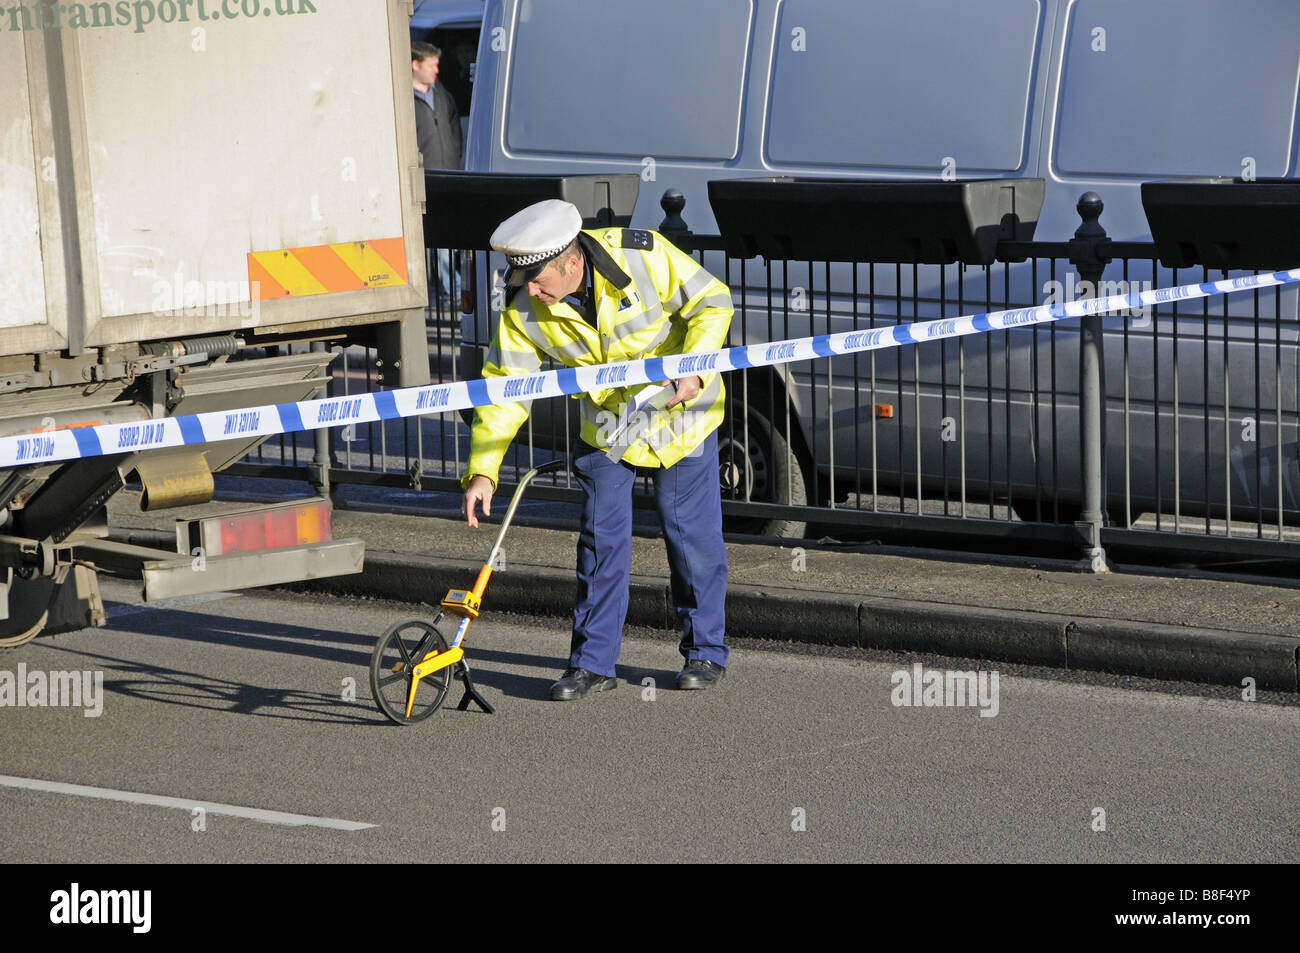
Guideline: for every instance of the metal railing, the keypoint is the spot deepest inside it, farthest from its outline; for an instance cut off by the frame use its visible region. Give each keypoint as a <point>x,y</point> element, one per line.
<point>1175,428</point>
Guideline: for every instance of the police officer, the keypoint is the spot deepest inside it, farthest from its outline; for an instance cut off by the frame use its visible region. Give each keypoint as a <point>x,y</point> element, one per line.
<point>598,297</point>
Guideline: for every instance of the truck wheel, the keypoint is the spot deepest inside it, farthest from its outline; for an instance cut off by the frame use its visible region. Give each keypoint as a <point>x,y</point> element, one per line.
<point>761,467</point>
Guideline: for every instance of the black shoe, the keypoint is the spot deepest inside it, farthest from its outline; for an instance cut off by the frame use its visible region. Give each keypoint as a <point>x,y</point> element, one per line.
<point>577,682</point>
<point>699,673</point>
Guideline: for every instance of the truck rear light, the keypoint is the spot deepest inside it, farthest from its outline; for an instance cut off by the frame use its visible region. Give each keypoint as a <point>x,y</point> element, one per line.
<point>277,526</point>
<point>273,529</point>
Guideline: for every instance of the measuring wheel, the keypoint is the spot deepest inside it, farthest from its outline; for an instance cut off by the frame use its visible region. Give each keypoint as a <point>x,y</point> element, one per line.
<point>415,661</point>
<point>400,649</point>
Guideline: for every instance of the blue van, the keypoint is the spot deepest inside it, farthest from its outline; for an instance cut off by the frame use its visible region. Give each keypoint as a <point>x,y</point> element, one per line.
<point>1088,95</point>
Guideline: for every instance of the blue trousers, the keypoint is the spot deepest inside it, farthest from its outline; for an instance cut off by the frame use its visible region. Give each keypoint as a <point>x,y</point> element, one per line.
<point>690,508</point>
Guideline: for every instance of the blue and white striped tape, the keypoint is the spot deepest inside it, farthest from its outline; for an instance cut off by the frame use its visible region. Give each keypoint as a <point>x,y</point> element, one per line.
<point>271,419</point>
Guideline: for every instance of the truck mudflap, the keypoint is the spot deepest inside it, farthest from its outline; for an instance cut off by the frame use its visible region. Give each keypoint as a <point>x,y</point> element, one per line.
<point>64,601</point>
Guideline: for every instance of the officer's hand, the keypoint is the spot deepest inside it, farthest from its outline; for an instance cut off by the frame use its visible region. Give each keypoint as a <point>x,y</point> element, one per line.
<point>480,491</point>
<point>688,388</point>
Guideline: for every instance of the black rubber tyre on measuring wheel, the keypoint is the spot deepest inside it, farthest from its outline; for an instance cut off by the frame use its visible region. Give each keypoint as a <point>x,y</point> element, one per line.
<point>756,462</point>
<point>399,650</point>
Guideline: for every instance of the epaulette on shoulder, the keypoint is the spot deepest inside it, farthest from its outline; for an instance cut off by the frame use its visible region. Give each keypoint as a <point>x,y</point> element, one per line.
<point>638,238</point>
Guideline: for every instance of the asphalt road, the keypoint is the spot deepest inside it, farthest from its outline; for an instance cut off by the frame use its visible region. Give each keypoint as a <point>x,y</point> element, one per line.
<point>238,702</point>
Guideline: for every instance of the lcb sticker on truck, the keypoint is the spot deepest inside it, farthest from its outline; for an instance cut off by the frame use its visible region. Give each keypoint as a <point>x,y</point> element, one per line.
<point>325,269</point>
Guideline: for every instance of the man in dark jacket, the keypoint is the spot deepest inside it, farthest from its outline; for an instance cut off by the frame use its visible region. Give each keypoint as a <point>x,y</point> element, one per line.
<point>437,131</point>
<point>437,121</point>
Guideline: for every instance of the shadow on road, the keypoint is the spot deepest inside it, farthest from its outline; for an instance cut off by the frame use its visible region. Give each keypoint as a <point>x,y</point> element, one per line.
<point>348,649</point>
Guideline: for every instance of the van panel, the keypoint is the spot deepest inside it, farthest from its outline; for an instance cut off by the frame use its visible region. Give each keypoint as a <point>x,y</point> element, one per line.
<point>640,106</point>
<point>1174,92</point>
<point>904,84</point>
<point>22,288</point>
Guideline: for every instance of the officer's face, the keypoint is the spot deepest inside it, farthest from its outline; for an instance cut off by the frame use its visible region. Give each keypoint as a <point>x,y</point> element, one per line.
<point>556,280</point>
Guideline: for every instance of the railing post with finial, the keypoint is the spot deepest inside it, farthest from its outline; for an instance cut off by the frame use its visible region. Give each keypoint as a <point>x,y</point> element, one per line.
<point>1089,253</point>
<point>673,227</point>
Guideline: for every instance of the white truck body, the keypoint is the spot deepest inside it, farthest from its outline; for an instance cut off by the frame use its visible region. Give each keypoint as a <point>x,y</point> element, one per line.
<point>187,184</point>
<point>192,145</point>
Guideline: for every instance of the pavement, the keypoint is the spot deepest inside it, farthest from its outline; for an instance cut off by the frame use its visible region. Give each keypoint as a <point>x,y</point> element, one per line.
<point>1166,625</point>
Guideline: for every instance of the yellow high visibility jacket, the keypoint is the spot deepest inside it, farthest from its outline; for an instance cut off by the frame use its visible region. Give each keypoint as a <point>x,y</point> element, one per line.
<point>651,299</point>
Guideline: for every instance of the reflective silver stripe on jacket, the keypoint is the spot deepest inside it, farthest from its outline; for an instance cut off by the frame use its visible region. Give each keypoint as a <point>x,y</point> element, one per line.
<point>573,350</point>
<point>651,316</point>
<point>659,338</point>
<point>689,288</point>
<point>645,288</point>
<point>528,362</point>
<point>532,328</point>
<point>712,301</point>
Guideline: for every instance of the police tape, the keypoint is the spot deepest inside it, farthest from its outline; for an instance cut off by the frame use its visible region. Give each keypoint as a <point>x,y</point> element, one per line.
<point>51,446</point>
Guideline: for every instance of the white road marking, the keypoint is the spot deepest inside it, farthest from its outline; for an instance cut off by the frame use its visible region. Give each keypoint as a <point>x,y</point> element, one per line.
<point>156,800</point>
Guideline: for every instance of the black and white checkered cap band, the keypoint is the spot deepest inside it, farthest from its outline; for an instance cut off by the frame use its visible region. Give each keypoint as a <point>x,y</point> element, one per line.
<point>523,261</point>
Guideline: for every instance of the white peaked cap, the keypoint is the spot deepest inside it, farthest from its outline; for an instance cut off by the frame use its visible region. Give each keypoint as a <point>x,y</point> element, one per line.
<point>532,237</point>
